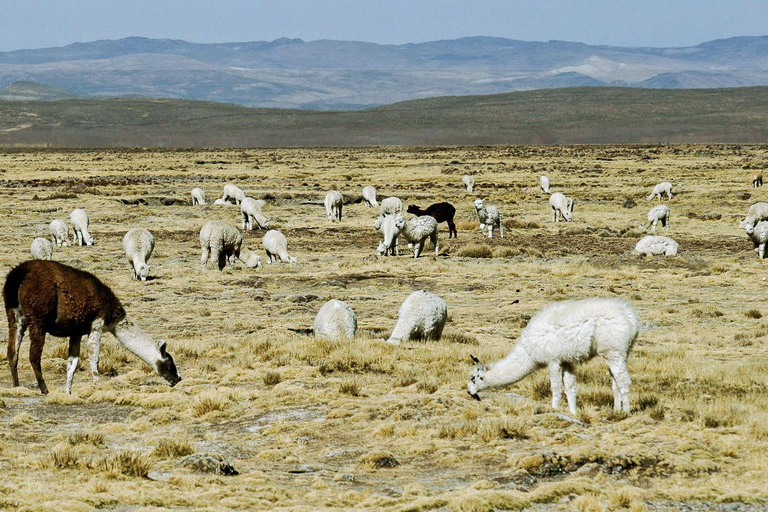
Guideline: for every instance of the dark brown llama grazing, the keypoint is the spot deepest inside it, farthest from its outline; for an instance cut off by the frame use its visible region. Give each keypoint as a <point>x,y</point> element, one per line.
<point>47,297</point>
<point>441,212</point>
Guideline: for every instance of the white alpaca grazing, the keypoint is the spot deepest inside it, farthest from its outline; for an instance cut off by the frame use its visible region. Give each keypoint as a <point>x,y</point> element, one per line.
<point>138,244</point>
<point>562,335</point>
<point>656,214</point>
<point>388,227</point>
<point>335,321</point>
<point>234,192</point>
<point>664,187</point>
<point>369,196</point>
<point>276,246</point>
<point>79,219</point>
<point>198,196</point>
<point>759,237</point>
<point>422,316</point>
<point>59,232</point>
<point>390,206</point>
<point>657,245</point>
<point>756,213</point>
<point>251,210</point>
<point>490,217</point>
<point>544,184</point>
<point>41,249</point>
<point>333,205</point>
<point>561,207</point>
<point>469,183</point>
<point>417,230</point>
<point>223,243</point>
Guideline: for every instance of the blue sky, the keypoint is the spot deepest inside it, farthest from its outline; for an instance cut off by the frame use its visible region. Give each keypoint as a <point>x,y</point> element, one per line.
<point>41,23</point>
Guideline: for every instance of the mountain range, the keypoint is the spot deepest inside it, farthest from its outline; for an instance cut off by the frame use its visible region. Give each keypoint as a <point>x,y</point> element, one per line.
<point>344,75</point>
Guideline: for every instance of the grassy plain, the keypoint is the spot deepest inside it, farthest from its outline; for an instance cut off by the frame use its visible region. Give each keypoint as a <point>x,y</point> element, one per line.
<point>364,425</point>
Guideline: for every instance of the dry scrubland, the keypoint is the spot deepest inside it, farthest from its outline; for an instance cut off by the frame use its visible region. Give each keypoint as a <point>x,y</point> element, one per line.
<point>365,425</point>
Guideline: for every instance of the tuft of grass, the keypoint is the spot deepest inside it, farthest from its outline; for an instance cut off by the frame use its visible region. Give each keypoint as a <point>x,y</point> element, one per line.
<point>427,387</point>
<point>753,313</point>
<point>507,427</point>
<point>271,378</point>
<point>349,388</point>
<point>475,251</point>
<point>707,312</point>
<point>63,457</point>
<point>127,463</point>
<point>210,403</point>
<point>379,459</point>
<point>82,437</point>
<point>172,447</point>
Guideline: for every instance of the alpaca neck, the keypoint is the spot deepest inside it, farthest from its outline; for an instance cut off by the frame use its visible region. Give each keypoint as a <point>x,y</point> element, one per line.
<point>517,365</point>
<point>137,341</point>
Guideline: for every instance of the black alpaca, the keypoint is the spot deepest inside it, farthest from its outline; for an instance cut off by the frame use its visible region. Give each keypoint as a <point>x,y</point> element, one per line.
<point>442,212</point>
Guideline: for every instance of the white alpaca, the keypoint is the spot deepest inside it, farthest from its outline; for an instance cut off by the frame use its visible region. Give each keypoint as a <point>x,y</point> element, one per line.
<point>335,321</point>
<point>490,217</point>
<point>198,196</point>
<point>223,243</point>
<point>559,337</point>
<point>656,214</point>
<point>422,316</point>
<point>41,249</point>
<point>388,227</point>
<point>234,192</point>
<point>369,196</point>
<point>333,205</point>
<point>276,246</point>
<point>544,184</point>
<point>756,213</point>
<point>250,208</point>
<point>417,230</point>
<point>561,207</point>
<point>664,187</point>
<point>59,232</point>
<point>757,179</point>
<point>221,201</point>
<point>657,245</point>
<point>138,244</point>
<point>79,219</point>
<point>759,237</point>
<point>390,206</point>
<point>469,183</point>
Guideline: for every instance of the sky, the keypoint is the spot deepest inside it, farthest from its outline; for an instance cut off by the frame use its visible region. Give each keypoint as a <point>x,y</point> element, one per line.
<point>42,23</point>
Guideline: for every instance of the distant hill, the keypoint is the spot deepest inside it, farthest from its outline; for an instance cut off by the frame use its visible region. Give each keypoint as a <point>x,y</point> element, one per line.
<point>587,115</point>
<point>33,91</point>
<point>326,74</point>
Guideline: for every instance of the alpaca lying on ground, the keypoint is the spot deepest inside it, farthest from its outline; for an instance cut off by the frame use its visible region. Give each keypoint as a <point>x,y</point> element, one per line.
<point>46,297</point>
<point>562,335</point>
<point>657,245</point>
<point>335,321</point>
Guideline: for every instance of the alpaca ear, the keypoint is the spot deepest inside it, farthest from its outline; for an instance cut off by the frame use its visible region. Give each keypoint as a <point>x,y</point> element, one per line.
<point>161,346</point>
<point>480,365</point>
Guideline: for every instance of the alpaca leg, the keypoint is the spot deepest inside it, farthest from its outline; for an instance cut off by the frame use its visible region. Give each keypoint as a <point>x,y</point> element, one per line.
<point>340,207</point>
<point>616,394</point>
<point>653,227</point>
<point>94,347</point>
<point>569,379</point>
<point>437,246</point>
<point>490,230</point>
<point>556,381</point>
<point>501,229</point>
<point>452,230</point>
<point>72,360</point>
<point>206,253</point>
<point>482,228</point>
<point>16,330</point>
<point>620,373</point>
<point>36,342</point>
<point>554,215</point>
<point>761,252</point>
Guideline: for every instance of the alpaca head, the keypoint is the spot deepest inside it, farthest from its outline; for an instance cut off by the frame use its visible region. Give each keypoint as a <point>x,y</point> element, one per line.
<point>568,214</point>
<point>253,261</point>
<point>477,378</point>
<point>166,367</point>
<point>478,204</point>
<point>412,208</point>
<point>399,221</point>
<point>382,249</point>
<point>143,272</point>
<point>88,239</point>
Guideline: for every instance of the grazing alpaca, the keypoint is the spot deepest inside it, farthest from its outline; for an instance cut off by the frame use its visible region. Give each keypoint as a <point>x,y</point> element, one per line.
<point>47,297</point>
<point>656,214</point>
<point>664,187</point>
<point>562,335</point>
<point>544,184</point>
<point>469,183</point>
<point>562,207</point>
<point>334,202</point>
<point>441,212</point>
<point>369,196</point>
<point>757,179</point>
<point>416,231</point>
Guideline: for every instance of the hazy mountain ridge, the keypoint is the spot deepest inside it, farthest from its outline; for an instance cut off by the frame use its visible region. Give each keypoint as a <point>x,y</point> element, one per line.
<point>327,74</point>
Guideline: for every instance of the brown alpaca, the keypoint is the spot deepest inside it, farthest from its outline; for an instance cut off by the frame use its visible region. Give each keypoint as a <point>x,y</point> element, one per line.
<point>47,297</point>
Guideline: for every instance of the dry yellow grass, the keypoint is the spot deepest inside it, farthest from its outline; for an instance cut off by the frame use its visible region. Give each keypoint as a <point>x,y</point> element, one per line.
<point>322,425</point>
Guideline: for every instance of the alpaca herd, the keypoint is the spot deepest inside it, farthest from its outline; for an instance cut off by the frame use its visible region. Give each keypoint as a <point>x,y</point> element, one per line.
<point>46,297</point>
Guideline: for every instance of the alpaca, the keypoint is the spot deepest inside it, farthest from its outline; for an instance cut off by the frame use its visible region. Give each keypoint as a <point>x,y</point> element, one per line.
<point>59,232</point>
<point>222,242</point>
<point>138,244</point>
<point>47,297</point>
<point>41,249</point>
<point>756,213</point>
<point>544,184</point>
<point>335,321</point>
<point>198,196</point>
<point>490,217</point>
<point>442,212</point>
<point>422,316</point>
<point>469,183</point>
<point>664,187</point>
<point>390,206</point>
<point>759,237</point>
<point>276,246</point>
<point>79,219</point>
<point>369,196</point>
<point>561,207</point>
<point>657,245</point>
<point>559,337</point>
<point>334,202</point>
<point>387,225</point>
<point>656,214</point>
<point>757,179</point>
<point>234,192</point>
<point>251,210</point>
<point>417,230</point>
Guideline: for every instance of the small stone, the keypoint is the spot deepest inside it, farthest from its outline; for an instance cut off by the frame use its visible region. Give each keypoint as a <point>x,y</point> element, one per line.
<point>209,463</point>
<point>261,294</point>
<point>301,298</point>
<point>629,203</point>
